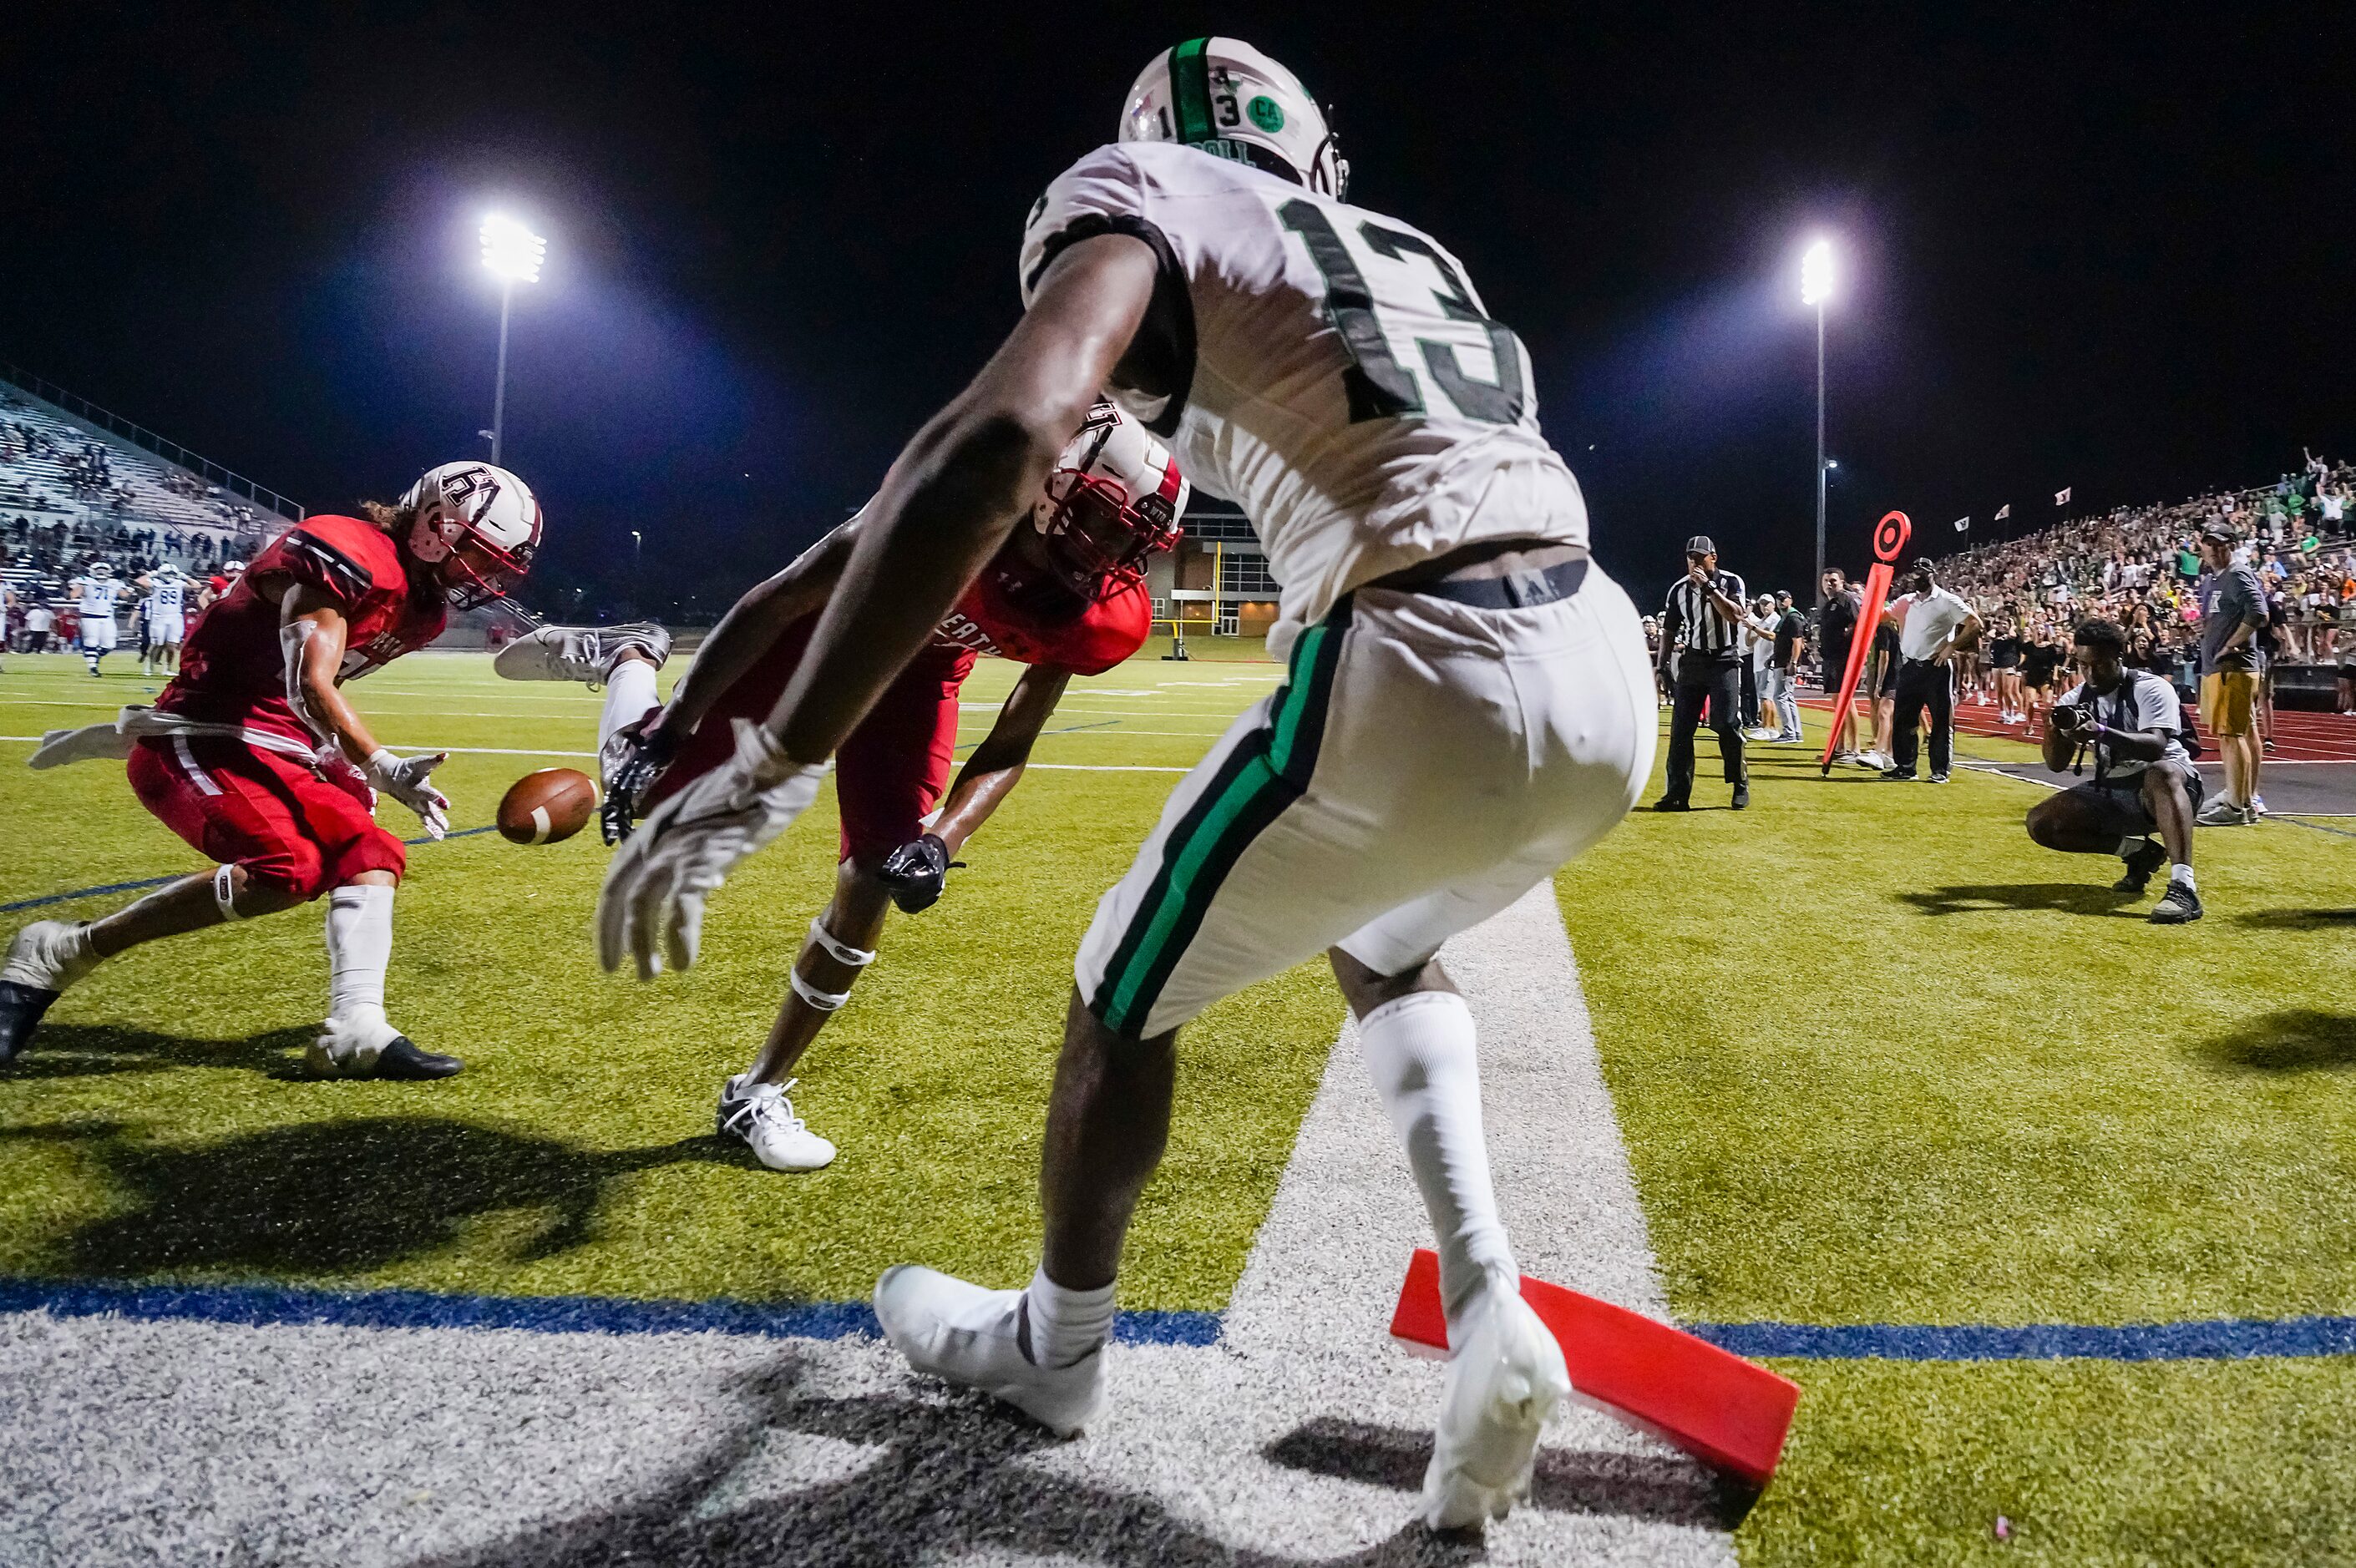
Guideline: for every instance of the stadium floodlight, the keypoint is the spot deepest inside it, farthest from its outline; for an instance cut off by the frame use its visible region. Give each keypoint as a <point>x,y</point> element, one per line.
<point>1816,288</point>
<point>513,253</point>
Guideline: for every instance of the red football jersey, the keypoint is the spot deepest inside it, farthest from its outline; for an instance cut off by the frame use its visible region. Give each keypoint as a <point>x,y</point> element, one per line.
<point>233,667</point>
<point>989,619</point>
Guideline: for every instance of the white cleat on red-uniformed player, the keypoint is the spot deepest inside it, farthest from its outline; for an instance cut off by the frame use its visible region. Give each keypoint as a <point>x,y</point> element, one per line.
<point>45,958</point>
<point>586,654</point>
<point>1505,1376</point>
<point>963,1334</point>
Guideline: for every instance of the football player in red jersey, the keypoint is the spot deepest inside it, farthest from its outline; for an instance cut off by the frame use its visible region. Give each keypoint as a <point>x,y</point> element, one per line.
<point>1065,596</point>
<point>254,755</point>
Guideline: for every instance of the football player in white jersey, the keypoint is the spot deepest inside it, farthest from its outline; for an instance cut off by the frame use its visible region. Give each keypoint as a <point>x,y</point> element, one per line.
<point>166,608</point>
<point>1467,707</point>
<point>95,594</point>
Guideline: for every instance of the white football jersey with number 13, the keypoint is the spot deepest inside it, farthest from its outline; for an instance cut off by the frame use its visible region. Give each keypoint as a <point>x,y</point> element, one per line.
<point>1338,376</point>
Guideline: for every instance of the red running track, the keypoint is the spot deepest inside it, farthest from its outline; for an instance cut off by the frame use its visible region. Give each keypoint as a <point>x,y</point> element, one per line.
<point>2298,737</point>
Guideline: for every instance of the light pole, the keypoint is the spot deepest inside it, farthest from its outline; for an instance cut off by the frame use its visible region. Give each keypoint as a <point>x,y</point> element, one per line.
<point>513,253</point>
<point>1815,287</point>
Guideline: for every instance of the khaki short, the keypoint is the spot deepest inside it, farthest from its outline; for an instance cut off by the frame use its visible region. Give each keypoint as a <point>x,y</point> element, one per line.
<point>2227,698</point>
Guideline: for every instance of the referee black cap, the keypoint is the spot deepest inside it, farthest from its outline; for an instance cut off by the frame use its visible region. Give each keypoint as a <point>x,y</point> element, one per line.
<point>1700,545</point>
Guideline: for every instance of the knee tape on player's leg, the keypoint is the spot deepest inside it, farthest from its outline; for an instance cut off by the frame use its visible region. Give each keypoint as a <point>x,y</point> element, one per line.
<point>225,891</point>
<point>841,952</point>
<point>824,1001</point>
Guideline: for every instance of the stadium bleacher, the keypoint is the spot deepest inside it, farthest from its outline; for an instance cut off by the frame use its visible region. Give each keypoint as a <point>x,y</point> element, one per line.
<point>80,484</point>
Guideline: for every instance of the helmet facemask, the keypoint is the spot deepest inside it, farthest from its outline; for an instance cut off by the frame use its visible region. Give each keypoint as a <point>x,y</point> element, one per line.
<point>1094,533</point>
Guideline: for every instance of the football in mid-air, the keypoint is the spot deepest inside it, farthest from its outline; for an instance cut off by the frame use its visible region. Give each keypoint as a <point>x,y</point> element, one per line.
<point>547,806</point>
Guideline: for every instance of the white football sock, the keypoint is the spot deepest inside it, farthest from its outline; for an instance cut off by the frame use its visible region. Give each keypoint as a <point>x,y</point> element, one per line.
<point>629,697</point>
<point>1065,1325</point>
<point>360,945</point>
<point>2182,873</point>
<point>1421,1050</point>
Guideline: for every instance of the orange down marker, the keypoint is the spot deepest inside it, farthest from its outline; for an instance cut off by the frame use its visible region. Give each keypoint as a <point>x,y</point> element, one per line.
<point>1717,1407</point>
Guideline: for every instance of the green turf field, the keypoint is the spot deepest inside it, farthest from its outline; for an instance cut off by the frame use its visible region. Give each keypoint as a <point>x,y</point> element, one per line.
<point>1920,1070</point>
<point>158,1129</point>
<point>1899,1066</point>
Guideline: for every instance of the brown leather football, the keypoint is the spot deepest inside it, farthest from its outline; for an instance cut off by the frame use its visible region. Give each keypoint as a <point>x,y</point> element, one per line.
<point>548,806</point>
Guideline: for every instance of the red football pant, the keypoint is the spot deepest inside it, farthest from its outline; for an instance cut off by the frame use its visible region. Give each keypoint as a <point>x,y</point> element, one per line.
<point>889,774</point>
<point>292,831</point>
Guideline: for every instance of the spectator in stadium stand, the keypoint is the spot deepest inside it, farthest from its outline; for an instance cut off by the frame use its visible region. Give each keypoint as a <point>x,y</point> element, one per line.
<point>2232,613</point>
<point>1836,627</point>
<point>2143,780</point>
<point>1932,623</point>
<point>1701,626</point>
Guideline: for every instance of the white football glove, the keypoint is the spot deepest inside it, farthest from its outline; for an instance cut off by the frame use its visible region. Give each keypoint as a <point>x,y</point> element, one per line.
<point>406,779</point>
<point>651,907</point>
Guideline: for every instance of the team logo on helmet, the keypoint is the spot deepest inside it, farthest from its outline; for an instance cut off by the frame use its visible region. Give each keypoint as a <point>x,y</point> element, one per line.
<point>1231,101</point>
<point>477,525</point>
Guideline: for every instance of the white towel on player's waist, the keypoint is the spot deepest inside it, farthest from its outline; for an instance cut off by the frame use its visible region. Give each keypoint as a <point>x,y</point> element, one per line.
<point>113,739</point>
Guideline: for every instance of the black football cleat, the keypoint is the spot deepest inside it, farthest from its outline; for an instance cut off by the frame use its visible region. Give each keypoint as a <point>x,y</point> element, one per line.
<point>2177,906</point>
<point>1742,797</point>
<point>401,1060</point>
<point>21,1008</point>
<point>2145,861</point>
<point>1672,803</point>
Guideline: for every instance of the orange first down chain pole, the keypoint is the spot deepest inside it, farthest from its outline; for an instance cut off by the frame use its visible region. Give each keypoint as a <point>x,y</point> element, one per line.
<point>1890,537</point>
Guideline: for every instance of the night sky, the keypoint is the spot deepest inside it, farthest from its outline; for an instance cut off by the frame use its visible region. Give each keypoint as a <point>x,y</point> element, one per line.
<point>2105,246</point>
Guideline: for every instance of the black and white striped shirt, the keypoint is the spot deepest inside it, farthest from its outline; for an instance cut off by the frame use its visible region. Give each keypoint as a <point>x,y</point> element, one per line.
<point>1691,620</point>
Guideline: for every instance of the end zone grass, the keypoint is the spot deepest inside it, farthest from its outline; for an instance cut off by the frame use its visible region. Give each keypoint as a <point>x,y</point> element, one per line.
<point>1879,1059</point>
<point>156,1132</point>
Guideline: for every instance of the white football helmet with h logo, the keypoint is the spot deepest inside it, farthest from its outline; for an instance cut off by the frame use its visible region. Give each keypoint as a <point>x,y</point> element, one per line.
<point>477,525</point>
<point>1228,99</point>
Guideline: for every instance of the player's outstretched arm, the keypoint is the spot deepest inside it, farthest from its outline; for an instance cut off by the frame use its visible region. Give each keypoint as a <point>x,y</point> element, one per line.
<point>955,492</point>
<point>945,507</point>
<point>755,623</point>
<point>996,766</point>
<point>312,629</point>
<point>915,872</point>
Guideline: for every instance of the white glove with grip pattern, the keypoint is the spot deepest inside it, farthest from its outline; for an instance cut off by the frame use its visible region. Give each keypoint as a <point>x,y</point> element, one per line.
<point>408,781</point>
<point>651,907</point>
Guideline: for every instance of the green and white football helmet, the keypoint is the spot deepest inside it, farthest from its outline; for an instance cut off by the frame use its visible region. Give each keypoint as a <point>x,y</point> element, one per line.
<point>1228,99</point>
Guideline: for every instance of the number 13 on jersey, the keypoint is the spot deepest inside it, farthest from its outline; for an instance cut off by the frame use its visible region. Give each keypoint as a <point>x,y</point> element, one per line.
<point>1378,384</point>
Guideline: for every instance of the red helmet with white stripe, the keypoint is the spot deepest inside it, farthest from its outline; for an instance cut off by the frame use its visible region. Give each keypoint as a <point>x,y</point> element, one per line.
<point>1114,498</point>
<point>477,526</point>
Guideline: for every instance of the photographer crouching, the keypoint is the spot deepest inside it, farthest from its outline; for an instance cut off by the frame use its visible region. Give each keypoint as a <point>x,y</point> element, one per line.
<point>2144,781</point>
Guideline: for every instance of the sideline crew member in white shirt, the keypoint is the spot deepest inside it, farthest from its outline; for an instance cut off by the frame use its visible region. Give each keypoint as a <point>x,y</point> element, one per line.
<point>1929,621</point>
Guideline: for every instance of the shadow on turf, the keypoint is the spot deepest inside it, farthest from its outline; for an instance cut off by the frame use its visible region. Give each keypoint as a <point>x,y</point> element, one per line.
<point>1626,1486</point>
<point>2064,898</point>
<point>90,1050</point>
<point>938,1479</point>
<point>344,1197</point>
<point>2297,918</point>
<point>2292,1040</point>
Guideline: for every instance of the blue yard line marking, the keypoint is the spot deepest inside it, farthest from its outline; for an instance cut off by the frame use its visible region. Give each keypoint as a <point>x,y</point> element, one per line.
<point>1066,729</point>
<point>263,1304</point>
<point>2221,1338</point>
<point>159,881</point>
<point>2224,1338</point>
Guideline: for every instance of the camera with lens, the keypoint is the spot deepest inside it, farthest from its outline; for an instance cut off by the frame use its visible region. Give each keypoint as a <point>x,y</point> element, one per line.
<point>2069,719</point>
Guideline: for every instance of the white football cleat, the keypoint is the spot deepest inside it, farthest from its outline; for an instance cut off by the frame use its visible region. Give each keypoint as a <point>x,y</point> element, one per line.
<point>760,1116</point>
<point>963,1334</point>
<point>363,1043</point>
<point>586,654</point>
<point>45,957</point>
<point>1504,1381</point>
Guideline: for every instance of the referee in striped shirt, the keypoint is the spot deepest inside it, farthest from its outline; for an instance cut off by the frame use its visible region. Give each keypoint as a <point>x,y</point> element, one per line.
<point>1704,620</point>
